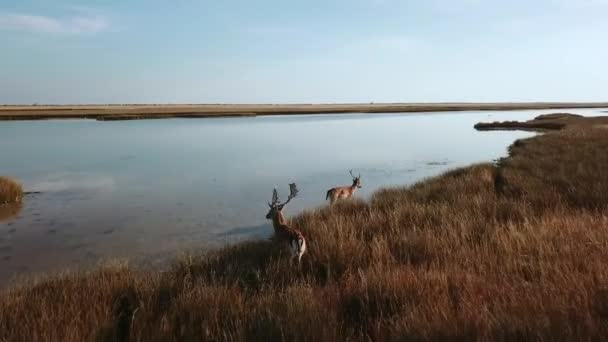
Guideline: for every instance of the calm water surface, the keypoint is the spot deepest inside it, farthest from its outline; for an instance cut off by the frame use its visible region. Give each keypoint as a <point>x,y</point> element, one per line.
<point>146,190</point>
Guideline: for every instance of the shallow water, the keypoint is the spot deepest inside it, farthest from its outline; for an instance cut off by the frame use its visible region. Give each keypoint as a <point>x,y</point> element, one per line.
<point>148,189</point>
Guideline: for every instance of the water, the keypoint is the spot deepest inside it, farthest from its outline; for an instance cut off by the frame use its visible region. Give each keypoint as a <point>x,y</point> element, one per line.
<point>147,190</point>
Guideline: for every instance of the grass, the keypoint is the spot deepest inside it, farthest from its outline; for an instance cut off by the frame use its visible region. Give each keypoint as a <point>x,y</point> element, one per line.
<point>555,121</point>
<point>159,111</point>
<point>512,251</point>
<point>10,191</point>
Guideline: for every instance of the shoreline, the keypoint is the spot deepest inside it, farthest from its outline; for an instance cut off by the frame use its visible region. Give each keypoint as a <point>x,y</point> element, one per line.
<point>116,112</point>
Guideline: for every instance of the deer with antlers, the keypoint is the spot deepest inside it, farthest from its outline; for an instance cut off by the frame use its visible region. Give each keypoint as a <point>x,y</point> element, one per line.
<point>282,230</point>
<point>344,192</point>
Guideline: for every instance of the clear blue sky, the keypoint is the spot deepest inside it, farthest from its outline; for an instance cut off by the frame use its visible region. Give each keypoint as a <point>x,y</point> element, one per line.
<point>242,51</point>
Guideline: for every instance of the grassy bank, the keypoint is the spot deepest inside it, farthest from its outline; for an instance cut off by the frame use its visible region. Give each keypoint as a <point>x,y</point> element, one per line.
<point>512,251</point>
<point>10,191</point>
<point>142,111</point>
<point>547,122</point>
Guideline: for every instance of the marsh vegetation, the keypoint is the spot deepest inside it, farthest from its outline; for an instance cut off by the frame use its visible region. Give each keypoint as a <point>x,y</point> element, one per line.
<point>10,191</point>
<point>159,111</point>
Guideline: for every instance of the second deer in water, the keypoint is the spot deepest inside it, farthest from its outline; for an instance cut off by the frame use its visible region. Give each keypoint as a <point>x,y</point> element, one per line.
<point>282,230</point>
<point>344,192</point>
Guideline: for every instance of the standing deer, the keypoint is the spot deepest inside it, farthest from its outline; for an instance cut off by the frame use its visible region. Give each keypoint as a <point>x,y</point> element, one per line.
<point>282,230</point>
<point>344,192</point>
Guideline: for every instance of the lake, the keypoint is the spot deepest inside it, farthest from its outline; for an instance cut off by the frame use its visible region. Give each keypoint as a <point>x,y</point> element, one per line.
<point>150,189</point>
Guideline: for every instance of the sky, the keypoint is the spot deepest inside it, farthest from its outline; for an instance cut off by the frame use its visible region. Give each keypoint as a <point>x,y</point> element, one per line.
<point>302,51</point>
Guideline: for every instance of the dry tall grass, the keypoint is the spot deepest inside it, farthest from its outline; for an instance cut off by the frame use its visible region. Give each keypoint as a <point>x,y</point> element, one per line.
<point>555,121</point>
<point>158,111</point>
<point>511,251</point>
<point>10,191</point>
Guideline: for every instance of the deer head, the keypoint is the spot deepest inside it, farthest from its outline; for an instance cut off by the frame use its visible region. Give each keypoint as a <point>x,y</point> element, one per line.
<point>275,205</point>
<point>356,180</point>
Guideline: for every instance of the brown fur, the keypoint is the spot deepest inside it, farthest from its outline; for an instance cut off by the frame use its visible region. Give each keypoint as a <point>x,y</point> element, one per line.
<point>283,232</point>
<point>282,229</point>
<point>343,192</point>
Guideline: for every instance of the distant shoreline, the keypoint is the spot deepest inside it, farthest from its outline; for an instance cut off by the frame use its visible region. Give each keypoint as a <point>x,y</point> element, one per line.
<point>163,111</point>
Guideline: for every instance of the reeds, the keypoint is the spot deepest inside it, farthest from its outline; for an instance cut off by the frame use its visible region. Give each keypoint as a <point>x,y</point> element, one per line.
<point>10,191</point>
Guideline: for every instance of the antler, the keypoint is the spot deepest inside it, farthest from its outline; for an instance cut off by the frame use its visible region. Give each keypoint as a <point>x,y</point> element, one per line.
<point>351,174</point>
<point>275,198</point>
<point>293,192</point>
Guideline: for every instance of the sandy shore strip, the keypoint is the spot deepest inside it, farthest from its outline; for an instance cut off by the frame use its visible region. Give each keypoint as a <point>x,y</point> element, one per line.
<point>159,111</point>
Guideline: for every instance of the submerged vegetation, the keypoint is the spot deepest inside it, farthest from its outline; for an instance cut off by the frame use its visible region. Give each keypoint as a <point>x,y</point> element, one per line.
<point>513,250</point>
<point>10,191</point>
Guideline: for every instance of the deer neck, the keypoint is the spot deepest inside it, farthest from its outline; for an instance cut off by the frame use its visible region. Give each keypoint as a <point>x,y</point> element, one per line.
<point>279,220</point>
<point>353,188</point>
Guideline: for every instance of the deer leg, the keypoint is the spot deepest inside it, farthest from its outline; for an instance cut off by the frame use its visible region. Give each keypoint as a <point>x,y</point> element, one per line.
<point>291,257</point>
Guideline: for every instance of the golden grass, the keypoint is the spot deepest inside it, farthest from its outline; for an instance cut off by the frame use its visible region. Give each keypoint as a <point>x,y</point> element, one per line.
<point>10,191</point>
<point>514,251</point>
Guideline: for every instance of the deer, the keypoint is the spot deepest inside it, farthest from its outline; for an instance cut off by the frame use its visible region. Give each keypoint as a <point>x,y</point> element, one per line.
<point>294,238</point>
<point>344,192</point>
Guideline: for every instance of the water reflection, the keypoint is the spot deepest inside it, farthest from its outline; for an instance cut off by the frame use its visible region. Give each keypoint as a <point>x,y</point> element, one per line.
<point>249,232</point>
<point>74,182</point>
